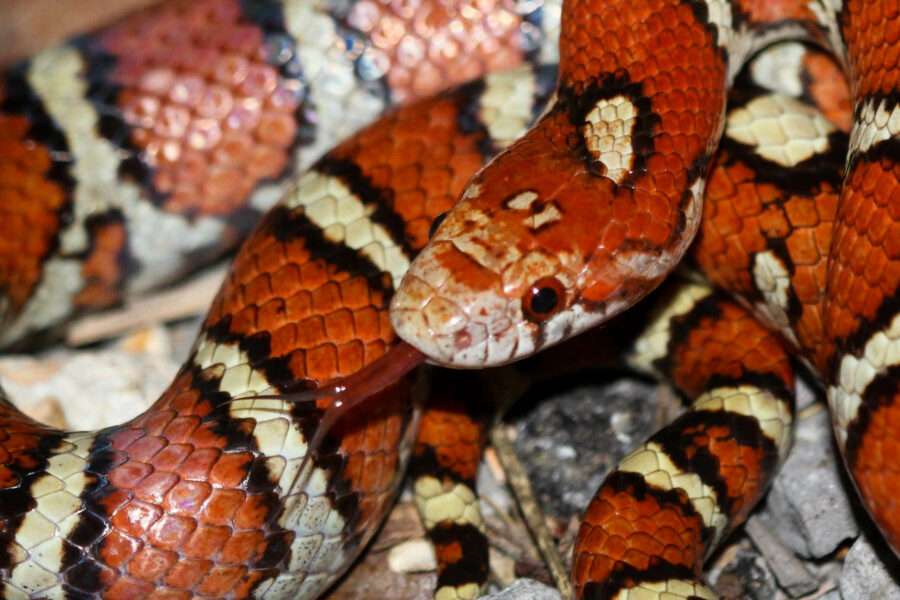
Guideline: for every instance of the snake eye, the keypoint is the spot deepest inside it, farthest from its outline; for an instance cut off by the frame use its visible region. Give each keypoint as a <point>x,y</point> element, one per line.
<point>435,224</point>
<point>543,299</point>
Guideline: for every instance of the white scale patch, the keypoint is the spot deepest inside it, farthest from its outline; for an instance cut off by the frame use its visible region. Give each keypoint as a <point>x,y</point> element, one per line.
<point>457,504</point>
<point>778,68</point>
<point>653,343</point>
<point>773,281</point>
<point>344,219</point>
<point>50,302</point>
<point>506,104</point>
<point>608,135</point>
<point>856,373</point>
<point>412,556</point>
<point>874,124</point>
<point>317,551</point>
<point>160,241</point>
<point>473,190</point>
<point>549,213</point>
<point>522,201</point>
<point>748,41</point>
<point>671,589</point>
<point>37,552</point>
<point>652,462</point>
<point>719,15</point>
<point>826,12</point>
<point>342,104</point>
<point>780,129</point>
<point>773,414</point>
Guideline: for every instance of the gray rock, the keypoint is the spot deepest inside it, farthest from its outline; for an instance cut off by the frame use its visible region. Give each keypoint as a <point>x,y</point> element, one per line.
<point>808,393</point>
<point>866,576</point>
<point>572,439</point>
<point>94,388</point>
<point>808,506</point>
<point>745,575</point>
<point>525,589</point>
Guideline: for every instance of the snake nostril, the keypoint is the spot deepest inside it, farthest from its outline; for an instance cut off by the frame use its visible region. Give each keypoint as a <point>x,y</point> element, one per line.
<point>462,339</point>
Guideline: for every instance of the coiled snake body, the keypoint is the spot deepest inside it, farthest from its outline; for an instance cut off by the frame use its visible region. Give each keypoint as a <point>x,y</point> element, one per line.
<point>179,123</point>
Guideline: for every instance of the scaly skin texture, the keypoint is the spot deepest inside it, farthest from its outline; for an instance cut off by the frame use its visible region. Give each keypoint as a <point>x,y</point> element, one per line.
<point>815,257</point>
<point>215,491</point>
<point>764,212</point>
<point>667,505</point>
<point>203,495</point>
<point>34,193</point>
<point>635,120</point>
<point>181,124</point>
<point>863,306</point>
<point>444,465</point>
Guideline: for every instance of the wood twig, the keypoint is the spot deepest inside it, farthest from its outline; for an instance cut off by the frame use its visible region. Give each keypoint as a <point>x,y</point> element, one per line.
<point>531,511</point>
<point>186,300</point>
<point>26,27</point>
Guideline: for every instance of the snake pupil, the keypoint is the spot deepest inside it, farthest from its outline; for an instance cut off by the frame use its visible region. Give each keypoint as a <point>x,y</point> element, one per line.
<point>435,224</point>
<point>544,300</point>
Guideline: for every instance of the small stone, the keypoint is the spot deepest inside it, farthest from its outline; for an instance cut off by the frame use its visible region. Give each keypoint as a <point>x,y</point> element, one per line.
<point>525,589</point>
<point>502,566</point>
<point>566,453</point>
<point>413,556</point>
<point>866,575</point>
<point>93,388</point>
<point>148,340</point>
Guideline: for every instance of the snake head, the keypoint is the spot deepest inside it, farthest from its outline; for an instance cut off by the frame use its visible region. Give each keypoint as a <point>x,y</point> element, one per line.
<point>530,257</point>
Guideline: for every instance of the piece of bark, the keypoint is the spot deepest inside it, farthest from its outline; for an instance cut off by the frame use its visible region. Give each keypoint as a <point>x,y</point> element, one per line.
<point>27,26</point>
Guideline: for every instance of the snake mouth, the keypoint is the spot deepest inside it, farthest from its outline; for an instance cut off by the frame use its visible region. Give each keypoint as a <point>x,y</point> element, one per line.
<point>450,336</point>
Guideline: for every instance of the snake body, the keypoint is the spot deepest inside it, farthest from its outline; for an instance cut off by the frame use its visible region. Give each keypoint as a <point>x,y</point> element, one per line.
<point>118,140</point>
<point>154,142</point>
<point>628,141</point>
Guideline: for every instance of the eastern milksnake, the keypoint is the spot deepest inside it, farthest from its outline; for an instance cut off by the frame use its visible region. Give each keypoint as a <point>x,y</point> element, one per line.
<point>179,123</point>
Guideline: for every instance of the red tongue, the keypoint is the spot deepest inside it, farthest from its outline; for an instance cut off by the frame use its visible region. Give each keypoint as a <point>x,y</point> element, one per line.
<point>351,391</point>
<point>348,393</point>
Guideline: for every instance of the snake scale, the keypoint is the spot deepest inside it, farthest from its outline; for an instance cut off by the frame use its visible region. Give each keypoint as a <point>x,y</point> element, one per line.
<point>157,143</point>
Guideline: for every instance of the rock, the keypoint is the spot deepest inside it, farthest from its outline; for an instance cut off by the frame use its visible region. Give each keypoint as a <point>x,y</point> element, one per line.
<point>808,391</point>
<point>412,556</point>
<point>92,388</point>
<point>740,573</point>
<point>571,440</point>
<point>525,589</point>
<point>866,576</point>
<point>808,506</point>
